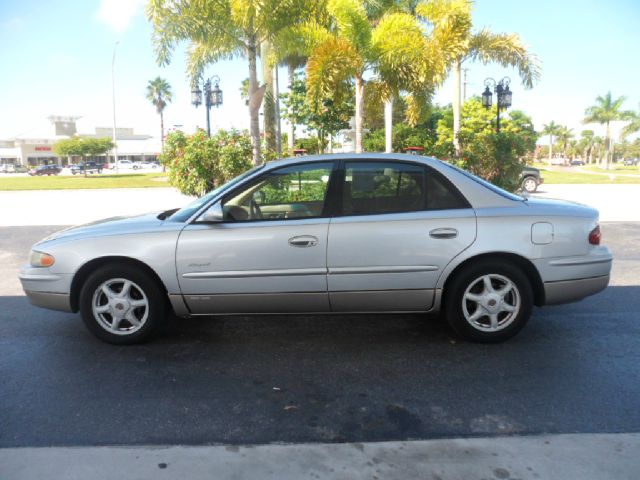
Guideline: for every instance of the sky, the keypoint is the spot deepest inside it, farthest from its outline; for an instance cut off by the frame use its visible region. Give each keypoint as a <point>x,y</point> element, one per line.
<point>56,59</point>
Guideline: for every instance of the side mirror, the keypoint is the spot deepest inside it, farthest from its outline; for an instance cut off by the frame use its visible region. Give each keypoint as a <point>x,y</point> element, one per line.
<point>213,214</point>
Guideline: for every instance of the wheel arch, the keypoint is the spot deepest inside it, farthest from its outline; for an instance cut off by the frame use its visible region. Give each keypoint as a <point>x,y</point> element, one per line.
<point>527,267</point>
<point>88,268</point>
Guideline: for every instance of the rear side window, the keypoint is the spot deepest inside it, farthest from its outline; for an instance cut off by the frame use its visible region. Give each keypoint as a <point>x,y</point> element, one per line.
<point>387,187</point>
<point>441,195</point>
<point>376,187</point>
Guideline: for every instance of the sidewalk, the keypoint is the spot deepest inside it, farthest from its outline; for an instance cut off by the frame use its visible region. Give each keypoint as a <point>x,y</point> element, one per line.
<point>553,457</point>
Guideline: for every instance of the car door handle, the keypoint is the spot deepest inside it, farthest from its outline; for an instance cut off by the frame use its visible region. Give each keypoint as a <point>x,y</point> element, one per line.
<point>303,241</point>
<point>443,233</point>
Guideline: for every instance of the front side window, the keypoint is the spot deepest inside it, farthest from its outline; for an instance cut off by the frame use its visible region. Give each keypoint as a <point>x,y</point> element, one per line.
<point>376,188</point>
<point>287,193</point>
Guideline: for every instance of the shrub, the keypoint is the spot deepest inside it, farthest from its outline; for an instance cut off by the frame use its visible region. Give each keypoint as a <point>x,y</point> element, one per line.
<point>197,163</point>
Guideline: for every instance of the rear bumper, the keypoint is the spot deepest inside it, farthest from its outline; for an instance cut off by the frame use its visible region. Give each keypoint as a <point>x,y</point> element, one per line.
<point>52,301</point>
<point>566,291</point>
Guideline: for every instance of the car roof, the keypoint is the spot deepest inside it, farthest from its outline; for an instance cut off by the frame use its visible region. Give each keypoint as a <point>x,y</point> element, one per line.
<point>368,156</point>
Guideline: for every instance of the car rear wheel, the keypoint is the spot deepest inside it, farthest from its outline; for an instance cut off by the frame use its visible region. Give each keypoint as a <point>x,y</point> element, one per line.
<point>121,304</point>
<point>489,302</point>
<point>529,184</point>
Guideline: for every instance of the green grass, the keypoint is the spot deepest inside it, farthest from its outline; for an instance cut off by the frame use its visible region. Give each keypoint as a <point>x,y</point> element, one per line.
<point>613,168</point>
<point>135,180</point>
<point>553,177</point>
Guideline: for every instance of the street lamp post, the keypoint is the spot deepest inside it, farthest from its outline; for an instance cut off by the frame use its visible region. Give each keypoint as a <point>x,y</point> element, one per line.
<point>503,95</point>
<point>212,96</point>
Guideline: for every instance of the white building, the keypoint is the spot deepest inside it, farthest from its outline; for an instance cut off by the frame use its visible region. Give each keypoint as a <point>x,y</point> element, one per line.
<point>35,147</point>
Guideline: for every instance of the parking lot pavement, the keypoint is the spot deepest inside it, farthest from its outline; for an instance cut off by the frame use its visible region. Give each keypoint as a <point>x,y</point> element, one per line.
<point>313,378</point>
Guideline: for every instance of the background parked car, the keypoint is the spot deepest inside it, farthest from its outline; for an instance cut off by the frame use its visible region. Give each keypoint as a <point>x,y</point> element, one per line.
<point>123,165</point>
<point>530,179</point>
<point>629,162</point>
<point>45,170</point>
<point>7,168</point>
<point>148,165</point>
<point>88,167</point>
<point>576,163</point>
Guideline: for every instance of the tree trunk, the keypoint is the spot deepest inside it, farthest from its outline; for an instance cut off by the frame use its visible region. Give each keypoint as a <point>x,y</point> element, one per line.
<point>269,99</point>
<point>161,132</point>
<point>388,125</point>
<point>457,70</point>
<point>255,99</point>
<point>359,111</point>
<point>550,148</point>
<point>292,126</point>
<point>164,169</point>
<point>276,96</point>
<point>608,152</point>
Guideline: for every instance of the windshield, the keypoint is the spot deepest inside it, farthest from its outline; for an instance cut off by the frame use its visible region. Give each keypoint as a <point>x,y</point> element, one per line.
<point>186,212</point>
<point>490,186</point>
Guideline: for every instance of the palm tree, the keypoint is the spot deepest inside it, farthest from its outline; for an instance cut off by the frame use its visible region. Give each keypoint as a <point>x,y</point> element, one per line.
<point>563,137</point>
<point>633,125</point>
<point>605,111</point>
<point>159,94</point>
<point>552,129</point>
<point>348,45</point>
<point>587,143</point>
<point>598,145</point>
<point>220,31</point>
<point>506,49</point>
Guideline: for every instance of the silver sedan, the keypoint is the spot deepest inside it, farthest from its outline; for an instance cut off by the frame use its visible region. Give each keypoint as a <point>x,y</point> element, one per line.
<point>322,234</point>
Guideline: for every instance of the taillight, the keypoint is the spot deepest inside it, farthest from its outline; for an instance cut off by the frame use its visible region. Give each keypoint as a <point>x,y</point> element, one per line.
<point>595,236</point>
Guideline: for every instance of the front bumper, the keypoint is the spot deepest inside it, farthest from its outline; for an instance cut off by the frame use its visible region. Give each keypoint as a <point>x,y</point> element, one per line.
<point>52,301</point>
<point>46,289</point>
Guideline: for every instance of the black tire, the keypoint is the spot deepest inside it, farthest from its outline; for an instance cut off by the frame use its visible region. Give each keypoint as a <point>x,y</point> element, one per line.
<point>530,184</point>
<point>143,287</point>
<point>496,271</point>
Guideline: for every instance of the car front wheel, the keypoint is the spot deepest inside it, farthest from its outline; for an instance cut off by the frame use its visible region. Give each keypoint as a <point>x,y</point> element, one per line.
<point>489,302</point>
<point>122,305</point>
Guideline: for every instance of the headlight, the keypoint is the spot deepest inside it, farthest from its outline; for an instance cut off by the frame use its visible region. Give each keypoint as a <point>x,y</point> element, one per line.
<point>39,259</point>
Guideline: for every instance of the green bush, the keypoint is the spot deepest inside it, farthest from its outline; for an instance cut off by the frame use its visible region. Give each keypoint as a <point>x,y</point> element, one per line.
<point>196,163</point>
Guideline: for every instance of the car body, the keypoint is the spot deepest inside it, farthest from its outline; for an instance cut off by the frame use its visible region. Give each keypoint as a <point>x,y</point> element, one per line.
<point>7,168</point>
<point>576,163</point>
<point>530,179</point>
<point>629,162</point>
<point>86,167</point>
<point>45,170</point>
<point>323,234</point>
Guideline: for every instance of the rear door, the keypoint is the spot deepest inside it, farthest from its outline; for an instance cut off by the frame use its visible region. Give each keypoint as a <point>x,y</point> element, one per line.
<point>400,224</point>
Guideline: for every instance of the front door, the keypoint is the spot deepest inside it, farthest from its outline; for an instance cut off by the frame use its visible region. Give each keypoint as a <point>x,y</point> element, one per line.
<point>400,225</point>
<point>269,253</point>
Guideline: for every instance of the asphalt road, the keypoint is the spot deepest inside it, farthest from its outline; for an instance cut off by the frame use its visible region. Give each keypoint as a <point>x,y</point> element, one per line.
<point>263,379</point>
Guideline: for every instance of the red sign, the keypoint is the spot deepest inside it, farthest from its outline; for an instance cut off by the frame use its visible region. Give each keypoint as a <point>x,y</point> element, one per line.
<point>43,149</point>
